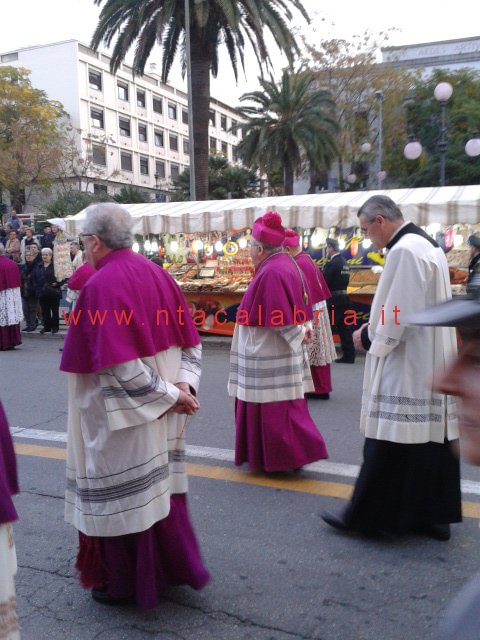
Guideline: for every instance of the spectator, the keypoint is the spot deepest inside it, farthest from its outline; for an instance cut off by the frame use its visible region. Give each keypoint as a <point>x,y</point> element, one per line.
<point>46,240</point>
<point>337,275</point>
<point>48,291</point>
<point>29,293</point>
<point>28,240</point>
<point>62,261</point>
<point>12,248</point>
<point>14,221</point>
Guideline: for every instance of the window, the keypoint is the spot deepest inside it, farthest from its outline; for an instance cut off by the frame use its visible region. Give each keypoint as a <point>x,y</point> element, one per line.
<point>211,117</point>
<point>96,116</point>
<point>144,166</point>
<point>212,146</point>
<point>157,104</point>
<point>142,132</point>
<point>224,149</point>
<point>173,142</point>
<point>141,99</point>
<point>235,156</point>
<point>98,155</point>
<point>185,116</point>
<point>174,171</point>
<point>234,127</point>
<point>124,125</point>
<point>126,161</point>
<point>172,111</point>
<point>159,139</point>
<point>223,122</point>
<point>160,169</point>
<point>122,91</point>
<point>100,188</point>
<point>95,79</point>
<point>186,146</point>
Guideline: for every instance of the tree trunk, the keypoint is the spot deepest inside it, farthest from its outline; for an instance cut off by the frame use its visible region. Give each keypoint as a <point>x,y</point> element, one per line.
<point>287,177</point>
<point>201,106</point>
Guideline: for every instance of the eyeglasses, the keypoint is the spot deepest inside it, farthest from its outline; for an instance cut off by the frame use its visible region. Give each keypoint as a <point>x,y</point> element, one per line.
<point>86,235</point>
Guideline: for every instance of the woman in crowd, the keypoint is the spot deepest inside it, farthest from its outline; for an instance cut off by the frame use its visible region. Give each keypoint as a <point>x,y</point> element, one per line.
<point>48,291</point>
<point>12,247</point>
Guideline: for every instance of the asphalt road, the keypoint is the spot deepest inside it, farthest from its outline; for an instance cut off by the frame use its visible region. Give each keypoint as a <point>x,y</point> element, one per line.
<point>278,573</point>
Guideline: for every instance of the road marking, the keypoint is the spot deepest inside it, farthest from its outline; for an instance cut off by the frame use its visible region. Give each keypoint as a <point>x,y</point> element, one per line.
<point>287,483</point>
<point>325,467</point>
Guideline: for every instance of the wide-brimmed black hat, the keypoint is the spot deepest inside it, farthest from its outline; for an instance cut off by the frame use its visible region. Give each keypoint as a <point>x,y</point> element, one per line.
<point>462,311</point>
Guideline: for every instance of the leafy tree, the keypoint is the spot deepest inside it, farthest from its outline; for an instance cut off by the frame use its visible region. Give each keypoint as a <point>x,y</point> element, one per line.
<point>31,142</point>
<point>289,124</point>
<point>73,201</point>
<point>351,72</point>
<point>462,118</point>
<point>131,195</point>
<point>213,22</point>
<point>224,180</point>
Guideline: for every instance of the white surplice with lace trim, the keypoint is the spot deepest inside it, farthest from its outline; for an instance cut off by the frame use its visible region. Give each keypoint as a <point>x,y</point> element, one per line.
<point>10,307</point>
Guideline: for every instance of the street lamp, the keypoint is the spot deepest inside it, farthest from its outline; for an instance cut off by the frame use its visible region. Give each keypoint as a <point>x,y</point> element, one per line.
<point>413,149</point>
<point>365,148</point>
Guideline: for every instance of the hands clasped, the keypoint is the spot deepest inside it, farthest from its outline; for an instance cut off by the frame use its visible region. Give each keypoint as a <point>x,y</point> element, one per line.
<point>186,403</point>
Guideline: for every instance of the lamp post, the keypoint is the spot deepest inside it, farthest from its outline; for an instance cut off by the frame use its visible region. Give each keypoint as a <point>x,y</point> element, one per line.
<point>379,96</point>
<point>365,148</point>
<point>443,92</point>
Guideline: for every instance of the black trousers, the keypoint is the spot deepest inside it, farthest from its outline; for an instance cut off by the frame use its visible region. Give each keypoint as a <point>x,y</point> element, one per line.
<point>50,310</point>
<point>337,307</point>
<point>30,306</point>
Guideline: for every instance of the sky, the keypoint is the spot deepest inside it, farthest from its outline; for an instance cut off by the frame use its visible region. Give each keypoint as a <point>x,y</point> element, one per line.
<point>28,22</point>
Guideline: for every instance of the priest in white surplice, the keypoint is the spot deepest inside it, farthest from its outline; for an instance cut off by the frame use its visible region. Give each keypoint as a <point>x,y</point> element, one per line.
<point>410,477</point>
<point>132,355</point>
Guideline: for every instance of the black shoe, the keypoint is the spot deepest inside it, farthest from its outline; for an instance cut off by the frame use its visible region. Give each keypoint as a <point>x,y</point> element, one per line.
<point>54,330</point>
<point>101,595</point>
<point>318,396</point>
<point>337,522</point>
<point>345,360</point>
<point>44,330</point>
<point>436,531</point>
<point>27,329</point>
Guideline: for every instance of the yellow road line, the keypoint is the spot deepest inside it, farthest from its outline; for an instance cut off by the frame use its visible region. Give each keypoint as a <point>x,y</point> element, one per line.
<point>287,483</point>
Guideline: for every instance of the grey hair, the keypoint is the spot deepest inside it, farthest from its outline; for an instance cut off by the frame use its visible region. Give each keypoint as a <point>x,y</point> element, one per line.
<point>111,223</point>
<point>47,250</point>
<point>266,247</point>
<point>75,244</point>
<point>380,206</point>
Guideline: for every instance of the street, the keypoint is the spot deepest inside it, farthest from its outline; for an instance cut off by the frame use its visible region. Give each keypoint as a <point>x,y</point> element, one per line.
<point>278,572</point>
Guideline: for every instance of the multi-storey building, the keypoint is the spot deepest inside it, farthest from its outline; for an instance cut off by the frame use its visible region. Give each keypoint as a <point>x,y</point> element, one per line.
<point>444,54</point>
<point>133,128</point>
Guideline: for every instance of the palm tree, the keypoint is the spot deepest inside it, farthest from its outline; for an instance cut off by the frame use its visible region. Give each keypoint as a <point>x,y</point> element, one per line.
<point>212,22</point>
<point>290,123</point>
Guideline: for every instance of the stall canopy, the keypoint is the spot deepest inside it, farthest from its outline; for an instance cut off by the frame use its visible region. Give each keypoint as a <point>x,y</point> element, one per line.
<point>446,205</point>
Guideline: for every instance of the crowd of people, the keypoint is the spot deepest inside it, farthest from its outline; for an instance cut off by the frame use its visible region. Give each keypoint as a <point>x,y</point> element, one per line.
<point>132,388</point>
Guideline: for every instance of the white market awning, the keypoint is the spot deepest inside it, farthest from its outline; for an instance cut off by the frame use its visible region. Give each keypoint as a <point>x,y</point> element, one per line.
<point>445,205</point>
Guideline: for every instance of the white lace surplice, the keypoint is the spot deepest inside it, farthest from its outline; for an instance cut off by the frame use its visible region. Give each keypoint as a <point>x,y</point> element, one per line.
<point>8,569</point>
<point>10,307</point>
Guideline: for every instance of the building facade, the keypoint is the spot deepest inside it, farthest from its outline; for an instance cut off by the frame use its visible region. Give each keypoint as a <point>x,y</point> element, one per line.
<point>444,54</point>
<point>132,129</point>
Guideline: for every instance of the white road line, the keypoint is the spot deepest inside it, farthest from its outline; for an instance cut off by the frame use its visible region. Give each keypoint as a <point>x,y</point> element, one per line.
<point>227,455</point>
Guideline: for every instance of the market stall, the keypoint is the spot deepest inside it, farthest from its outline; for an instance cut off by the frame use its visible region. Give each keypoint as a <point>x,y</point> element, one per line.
<point>203,244</point>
